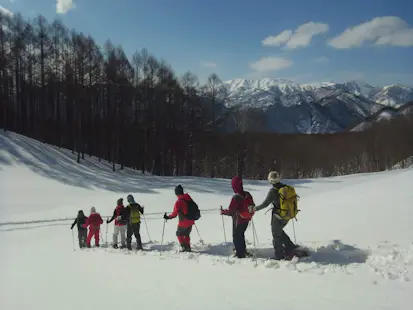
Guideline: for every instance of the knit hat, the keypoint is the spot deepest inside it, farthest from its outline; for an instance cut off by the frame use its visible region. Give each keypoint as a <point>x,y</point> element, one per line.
<point>179,190</point>
<point>273,177</point>
<point>130,199</point>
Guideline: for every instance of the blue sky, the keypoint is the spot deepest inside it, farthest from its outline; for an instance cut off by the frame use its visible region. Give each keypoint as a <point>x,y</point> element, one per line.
<point>306,40</point>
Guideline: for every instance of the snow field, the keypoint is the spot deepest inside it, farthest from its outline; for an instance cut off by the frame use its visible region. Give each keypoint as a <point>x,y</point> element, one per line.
<point>358,228</point>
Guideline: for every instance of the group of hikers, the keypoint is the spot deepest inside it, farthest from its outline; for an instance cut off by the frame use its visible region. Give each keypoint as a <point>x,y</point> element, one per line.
<point>241,209</point>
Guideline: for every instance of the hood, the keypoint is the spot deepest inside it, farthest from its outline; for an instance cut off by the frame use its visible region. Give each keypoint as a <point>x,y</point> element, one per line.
<point>92,210</point>
<point>185,197</point>
<point>237,185</point>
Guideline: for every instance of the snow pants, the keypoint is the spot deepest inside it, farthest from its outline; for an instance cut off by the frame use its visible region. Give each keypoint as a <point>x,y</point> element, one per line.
<point>133,229</point>
<point>238,235</point>
<point>280,238</point>
<point>183,235</point>
<point>93,232</point>
<point>82,236</point>
<point>122,231</point>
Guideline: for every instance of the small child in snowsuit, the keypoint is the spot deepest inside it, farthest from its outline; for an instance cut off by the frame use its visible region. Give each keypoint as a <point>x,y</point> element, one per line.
<point>94,221</point>
<point>81,232</point>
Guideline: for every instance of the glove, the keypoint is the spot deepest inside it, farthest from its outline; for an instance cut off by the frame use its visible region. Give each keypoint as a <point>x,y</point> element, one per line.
<point>71,227</point>
<point>107,221</point>
<point>165,216</point>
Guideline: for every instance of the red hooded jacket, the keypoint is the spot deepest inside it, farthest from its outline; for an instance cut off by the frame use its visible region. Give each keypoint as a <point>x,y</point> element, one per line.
<point>94,220</point>
<point>120,209</point>
<point>238,207</point>
<point>181,208</point>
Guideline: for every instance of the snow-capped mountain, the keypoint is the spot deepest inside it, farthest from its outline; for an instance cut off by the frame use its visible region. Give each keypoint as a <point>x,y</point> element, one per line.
<point>386,113</point>
<point>324,107</point>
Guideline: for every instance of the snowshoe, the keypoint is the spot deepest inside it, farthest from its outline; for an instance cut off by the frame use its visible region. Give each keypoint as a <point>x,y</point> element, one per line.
<point>248,254</point>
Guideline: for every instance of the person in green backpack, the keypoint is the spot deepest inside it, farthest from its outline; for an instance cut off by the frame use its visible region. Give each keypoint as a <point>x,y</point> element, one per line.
<point>133,222</point>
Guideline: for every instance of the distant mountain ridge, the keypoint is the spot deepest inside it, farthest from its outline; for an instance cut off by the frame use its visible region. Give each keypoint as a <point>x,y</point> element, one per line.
<point>326,107</point>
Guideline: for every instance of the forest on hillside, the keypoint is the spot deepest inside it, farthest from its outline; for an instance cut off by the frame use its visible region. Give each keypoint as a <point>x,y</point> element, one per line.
<point>60,87</point>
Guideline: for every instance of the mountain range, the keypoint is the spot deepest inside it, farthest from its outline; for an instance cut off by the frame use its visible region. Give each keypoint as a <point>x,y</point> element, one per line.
<point>278,105</point>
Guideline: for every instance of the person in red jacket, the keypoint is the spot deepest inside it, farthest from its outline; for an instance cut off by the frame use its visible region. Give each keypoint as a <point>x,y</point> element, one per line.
<point>184,225</point>
<point>94,221</point>
<point>119,215</point>
<point>241,211</point>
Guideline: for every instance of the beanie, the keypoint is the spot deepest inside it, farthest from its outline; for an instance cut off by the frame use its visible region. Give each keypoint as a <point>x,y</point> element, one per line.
<point>179,190</point>
<point>273,177</point>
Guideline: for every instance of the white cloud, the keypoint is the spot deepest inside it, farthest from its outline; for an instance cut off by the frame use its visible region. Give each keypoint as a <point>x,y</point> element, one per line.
<point>386,30</point>
<point>301,37</point>
<point>63,6</point>
<point>268,64</point>
<point>5,11</point>
<point>209,64</point>
<point>321,59</point>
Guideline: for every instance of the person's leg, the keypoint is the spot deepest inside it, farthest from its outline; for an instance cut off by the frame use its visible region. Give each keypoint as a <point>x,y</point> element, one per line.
<point>115,236</point>
<point>240,239</point>
<point>276,229</point>
<point>180,234</point>
<point>97,232</point>
<point>122,230</point>
<point>89,237</point>
<point>187,238</point>
<point>83,237</point>
<point>129,232</point>
<point>136,232</point>
<point>285,239</point>
<point>79,236</point>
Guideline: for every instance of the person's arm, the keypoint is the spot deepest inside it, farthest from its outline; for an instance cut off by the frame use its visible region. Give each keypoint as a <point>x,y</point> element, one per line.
<point>74,223</point>
<point>140,208</point>
<point>271,196</point>
<point>233,206</point>
<point>175,211</point>
<point>113,217</point>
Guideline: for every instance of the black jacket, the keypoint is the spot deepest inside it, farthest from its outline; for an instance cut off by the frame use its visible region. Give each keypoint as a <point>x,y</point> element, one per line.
<point>79,221</point>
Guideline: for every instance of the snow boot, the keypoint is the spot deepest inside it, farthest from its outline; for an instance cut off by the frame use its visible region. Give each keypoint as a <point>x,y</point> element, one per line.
<point>115,246</point>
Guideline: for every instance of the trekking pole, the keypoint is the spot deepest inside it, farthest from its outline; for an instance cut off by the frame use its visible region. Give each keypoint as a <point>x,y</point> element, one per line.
<point>295,239</point>
<point>200,239</point>
<point>223,226</point>
<point>106,233</point>
<point>163,231</point>
<point>147,229</point>
<point>253,229</point>
<point>101,235</point>
<point>255,246</point>
<point>73,241</point>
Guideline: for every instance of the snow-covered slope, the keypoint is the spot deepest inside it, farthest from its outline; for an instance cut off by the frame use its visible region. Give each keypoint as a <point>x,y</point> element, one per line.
<point>312,108</point>
<point>362,256</point>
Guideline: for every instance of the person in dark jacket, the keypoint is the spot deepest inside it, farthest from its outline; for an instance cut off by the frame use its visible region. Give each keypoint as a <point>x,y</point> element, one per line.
<point>240,209</point>
<point>120,224</point>
<point>280,238</point>
<point>184,224</point>
<point>133,222</point>
<point>81,232</point>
